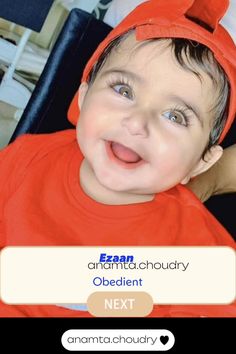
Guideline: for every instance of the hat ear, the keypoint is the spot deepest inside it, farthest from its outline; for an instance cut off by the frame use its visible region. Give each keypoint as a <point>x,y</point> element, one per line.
<point>210,12</point>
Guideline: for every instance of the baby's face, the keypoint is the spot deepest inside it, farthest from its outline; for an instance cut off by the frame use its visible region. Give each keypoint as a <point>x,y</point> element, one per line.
<point>145,121</point>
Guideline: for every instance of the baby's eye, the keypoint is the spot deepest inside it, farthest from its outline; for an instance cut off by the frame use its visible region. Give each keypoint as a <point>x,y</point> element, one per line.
<point>176,117</point>
<point>124,91</point>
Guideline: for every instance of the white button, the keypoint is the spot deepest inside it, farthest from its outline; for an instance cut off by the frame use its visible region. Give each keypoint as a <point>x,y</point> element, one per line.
<point>118,340</point>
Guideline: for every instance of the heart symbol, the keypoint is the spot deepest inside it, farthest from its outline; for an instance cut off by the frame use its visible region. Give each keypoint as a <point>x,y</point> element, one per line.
<point>164,339</point>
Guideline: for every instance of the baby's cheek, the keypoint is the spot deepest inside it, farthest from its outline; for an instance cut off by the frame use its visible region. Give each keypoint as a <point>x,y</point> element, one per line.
<point>174,166</point>
<point>85,129</point>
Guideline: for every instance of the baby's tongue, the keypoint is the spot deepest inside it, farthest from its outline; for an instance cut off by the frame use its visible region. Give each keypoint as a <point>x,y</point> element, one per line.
<point>124,153</point>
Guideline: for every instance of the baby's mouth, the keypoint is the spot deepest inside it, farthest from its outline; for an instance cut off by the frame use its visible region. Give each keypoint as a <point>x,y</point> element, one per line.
<point>124,156</point>
<point>124,153</point>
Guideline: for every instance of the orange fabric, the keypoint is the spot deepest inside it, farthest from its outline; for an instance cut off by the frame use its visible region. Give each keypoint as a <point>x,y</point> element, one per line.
<point>43,204</point>
<point>166,19</point>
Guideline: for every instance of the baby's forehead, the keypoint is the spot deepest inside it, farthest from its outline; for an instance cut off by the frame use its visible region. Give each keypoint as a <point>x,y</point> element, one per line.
<point>143,55</point>
<point>132,49</point>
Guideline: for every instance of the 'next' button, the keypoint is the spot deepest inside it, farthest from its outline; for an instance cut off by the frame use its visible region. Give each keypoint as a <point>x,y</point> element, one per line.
<point>120,304</point>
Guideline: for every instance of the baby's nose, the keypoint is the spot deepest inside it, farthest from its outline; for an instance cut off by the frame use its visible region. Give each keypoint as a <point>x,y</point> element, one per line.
<point>136,124</point>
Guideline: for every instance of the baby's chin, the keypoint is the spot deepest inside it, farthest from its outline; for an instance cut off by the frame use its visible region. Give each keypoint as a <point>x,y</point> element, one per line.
<point>120,188</point>
<point>125,197</point>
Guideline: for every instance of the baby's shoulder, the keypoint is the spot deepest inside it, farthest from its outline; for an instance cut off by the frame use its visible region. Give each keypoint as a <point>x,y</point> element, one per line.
<point>195,222</point>
<point>29,146</point>
<point>29,149</point>
<point>20,156</point>
<point>48,140</point>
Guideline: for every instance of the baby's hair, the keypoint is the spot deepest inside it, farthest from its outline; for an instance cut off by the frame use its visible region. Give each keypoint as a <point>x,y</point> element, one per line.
<point>192,56</point>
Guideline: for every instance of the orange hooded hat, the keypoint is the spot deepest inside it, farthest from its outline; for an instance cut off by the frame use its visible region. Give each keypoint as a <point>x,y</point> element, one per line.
<point>173,19</point>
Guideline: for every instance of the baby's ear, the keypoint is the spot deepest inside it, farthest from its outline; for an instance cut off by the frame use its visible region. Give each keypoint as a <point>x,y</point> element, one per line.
<point>209,159</point>
<point>82,92</point>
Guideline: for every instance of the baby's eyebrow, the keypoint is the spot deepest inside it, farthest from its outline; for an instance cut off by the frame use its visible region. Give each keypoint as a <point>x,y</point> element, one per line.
<point>130,74</point>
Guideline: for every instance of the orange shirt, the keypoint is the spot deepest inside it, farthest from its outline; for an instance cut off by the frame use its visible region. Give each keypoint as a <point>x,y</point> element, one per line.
<point>43,204</point>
